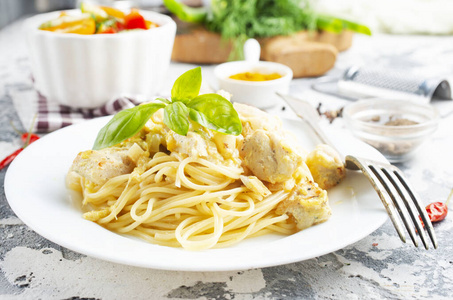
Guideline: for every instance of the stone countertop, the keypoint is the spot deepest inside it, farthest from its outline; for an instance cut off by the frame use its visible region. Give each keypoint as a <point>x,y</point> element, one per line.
<point>379,266</point>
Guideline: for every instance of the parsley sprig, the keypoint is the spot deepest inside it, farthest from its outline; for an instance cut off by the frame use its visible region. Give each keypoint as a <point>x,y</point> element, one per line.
<point>209,110</point>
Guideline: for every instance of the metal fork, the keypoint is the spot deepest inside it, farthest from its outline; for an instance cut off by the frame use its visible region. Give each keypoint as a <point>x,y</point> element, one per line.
<point>389,182</point>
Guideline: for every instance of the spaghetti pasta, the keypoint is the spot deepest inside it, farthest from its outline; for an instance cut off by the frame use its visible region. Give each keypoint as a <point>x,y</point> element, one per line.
<point>180,198</point>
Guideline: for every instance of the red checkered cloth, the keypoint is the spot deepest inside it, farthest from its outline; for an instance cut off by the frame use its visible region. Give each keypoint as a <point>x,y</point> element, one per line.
<point>52,116</point>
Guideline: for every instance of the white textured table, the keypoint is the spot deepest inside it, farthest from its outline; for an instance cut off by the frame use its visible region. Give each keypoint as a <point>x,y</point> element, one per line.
<point>377,267</point>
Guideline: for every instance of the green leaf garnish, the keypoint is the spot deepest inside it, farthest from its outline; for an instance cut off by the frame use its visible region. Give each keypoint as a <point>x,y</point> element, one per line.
<point>210,110</point>
<point>215,112</point>
<point>125,124</point>
<point>175,117</point>
<point>187,86</point>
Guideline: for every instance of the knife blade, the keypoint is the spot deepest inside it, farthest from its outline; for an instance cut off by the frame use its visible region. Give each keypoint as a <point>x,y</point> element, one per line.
<point>308,113</point>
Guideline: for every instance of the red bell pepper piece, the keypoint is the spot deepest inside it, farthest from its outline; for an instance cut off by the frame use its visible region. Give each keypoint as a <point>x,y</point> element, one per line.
<point>134,20</point>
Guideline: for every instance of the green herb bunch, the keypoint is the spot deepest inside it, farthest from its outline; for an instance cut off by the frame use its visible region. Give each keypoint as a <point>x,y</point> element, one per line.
<point>209,110</point>
<point>238,20</point>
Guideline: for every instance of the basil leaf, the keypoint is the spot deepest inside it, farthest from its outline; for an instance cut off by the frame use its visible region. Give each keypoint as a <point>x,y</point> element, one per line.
<point>164,100</point>
<point>186,13</point>
<point>187,86</point>
<point>215,112</point>
<point>125,124</point>
<point>175,117</point>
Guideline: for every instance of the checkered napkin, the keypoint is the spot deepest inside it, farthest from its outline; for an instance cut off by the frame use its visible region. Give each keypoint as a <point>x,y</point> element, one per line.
<point>52,116</point>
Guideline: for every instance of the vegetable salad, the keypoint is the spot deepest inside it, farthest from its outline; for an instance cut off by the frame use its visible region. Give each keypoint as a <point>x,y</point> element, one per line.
<point>97,19</point>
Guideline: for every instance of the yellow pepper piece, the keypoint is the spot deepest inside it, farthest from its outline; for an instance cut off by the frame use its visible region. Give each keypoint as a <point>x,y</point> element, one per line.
<point>150,24</point>
<point>63,21</point>
<point>113,12</point>
<point>86,26</point>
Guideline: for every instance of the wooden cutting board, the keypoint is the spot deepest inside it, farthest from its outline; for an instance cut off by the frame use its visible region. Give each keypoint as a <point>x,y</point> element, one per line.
<point>308,54</point>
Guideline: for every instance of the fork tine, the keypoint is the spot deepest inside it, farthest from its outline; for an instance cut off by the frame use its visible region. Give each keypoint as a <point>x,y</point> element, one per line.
<point>410,205</point>
<point>400,202</point>
<point>377,185</point>
<point>421,209</point>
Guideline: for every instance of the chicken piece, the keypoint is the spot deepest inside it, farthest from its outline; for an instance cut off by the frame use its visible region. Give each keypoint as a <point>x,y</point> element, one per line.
<point>270,156</point>
<point>302,174</point>
<point>154,141</point>
<point>286,185</point>
<point>98,166</point>
<point>135,152</point>
<point>226,144</point>
<point>307,204</point>
<point>253,119</point>
<point>192,145</point>
<point>326,166</point>
<point>203,143</point>
<point>255,185</point>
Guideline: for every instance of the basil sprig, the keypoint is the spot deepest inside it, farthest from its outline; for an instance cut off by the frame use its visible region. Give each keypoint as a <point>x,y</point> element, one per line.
<point>175,117</point>
<point>187,86</point>
<point>215,112</point>
<point>125,124</point>
<point>209,110</point>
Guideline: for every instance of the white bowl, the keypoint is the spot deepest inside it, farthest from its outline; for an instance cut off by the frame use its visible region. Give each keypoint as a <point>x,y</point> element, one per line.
<point>87,71</point>
<point>261,94</point>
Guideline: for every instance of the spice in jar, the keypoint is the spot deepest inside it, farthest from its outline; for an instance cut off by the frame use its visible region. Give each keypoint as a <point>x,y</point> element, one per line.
<point>400,122</point>
<point>392,148</point>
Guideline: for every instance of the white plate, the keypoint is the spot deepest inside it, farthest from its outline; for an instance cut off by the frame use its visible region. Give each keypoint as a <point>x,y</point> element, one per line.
<point>35,189</point>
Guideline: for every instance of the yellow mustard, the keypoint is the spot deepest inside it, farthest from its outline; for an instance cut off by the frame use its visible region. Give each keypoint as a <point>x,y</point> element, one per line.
<point>255,76</point>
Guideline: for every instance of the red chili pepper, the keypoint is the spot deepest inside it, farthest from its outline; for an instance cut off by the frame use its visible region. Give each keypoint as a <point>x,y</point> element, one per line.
<point>33,137</point>
<point>134,20</point>
<point>437,211</point>
<point>7,160</point>
<point>27,141</point>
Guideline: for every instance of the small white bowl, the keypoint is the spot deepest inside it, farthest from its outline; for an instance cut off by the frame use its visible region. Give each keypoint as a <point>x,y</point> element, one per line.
<point>86,71</point>
<point>261,94</point>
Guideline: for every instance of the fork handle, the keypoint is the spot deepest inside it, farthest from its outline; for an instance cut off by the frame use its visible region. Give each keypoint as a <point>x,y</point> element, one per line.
<point>313,123</point>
